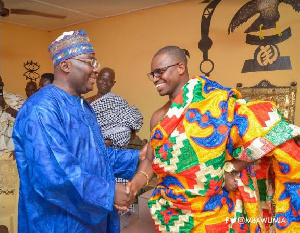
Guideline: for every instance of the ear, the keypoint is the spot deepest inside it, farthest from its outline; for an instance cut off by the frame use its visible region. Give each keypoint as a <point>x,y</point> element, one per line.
<point>113,83</point>
<point>181,68</point>
<point>65,66</point>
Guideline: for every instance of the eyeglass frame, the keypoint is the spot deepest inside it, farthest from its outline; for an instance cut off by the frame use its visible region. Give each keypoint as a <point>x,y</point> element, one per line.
<point>89,61</point>
<point>159,71</point>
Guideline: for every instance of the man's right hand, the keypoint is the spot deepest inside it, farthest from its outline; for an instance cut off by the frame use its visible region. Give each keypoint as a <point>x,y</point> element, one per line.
<point>122,199</point>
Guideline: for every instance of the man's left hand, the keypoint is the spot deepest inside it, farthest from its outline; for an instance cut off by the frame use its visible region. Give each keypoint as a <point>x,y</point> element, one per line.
<point>230,183</point>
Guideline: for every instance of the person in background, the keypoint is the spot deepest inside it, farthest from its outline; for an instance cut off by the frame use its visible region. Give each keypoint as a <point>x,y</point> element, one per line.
<point>10,104</point>
<point>46,78</point>
<point>67,175</point>
<point>119,122</point>
<point>31,88</point>
<point>202,140</point>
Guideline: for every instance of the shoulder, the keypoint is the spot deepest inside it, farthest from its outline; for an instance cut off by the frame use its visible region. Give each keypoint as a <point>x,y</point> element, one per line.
<point>113,95</point>
<point>46,98</point>
<point>113,98</point>
<point>49,93</point>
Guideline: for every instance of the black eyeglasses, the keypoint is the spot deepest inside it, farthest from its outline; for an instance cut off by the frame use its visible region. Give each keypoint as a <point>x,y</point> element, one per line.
<point>158,72</point>
<point>91,61</point>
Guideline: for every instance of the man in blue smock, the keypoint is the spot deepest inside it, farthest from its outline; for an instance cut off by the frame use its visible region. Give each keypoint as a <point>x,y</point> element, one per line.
<point>67,175</point>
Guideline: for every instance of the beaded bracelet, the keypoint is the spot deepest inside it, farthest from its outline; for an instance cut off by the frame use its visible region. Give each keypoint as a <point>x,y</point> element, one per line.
<point>147,177</point>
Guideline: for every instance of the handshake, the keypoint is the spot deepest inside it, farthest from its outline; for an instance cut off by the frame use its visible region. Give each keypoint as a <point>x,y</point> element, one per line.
<point>124,196</point>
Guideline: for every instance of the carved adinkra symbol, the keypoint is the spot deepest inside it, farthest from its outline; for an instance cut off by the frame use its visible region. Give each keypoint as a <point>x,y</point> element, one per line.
<point>267,54</point>
<point>31,68</point>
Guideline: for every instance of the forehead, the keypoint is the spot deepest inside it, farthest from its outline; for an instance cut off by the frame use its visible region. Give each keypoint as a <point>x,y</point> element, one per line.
<point>106,74</point>
<point>160,61</point>
<point>31,85</point>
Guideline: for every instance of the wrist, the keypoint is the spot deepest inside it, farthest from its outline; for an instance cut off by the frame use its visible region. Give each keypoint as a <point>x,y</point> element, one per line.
<point>146,176</point>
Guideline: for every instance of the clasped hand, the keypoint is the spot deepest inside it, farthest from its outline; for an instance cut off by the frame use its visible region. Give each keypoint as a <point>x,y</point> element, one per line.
<point>124,197</point>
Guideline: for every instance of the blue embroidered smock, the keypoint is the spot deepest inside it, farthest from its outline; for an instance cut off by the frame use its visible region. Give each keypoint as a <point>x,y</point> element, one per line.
<point>66,173</point>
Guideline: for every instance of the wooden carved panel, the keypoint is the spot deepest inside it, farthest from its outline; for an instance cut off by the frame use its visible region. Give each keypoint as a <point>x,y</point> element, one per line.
<point>283,96</point>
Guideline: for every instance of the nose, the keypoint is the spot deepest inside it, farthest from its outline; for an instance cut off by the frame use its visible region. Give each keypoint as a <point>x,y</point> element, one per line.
<point>155,78</point>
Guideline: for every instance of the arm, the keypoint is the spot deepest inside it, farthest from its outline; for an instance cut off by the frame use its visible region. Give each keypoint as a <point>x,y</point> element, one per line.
<point>6,108</point>
<point>145,172</point>
<point>261,129</point>
<point>124,161</point>
<point>135,188</point>
<point>55,173</point>
<point>237,140</point>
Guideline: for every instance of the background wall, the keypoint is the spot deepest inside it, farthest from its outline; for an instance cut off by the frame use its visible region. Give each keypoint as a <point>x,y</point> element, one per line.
<point>19,45</point>
<point>127,43</point>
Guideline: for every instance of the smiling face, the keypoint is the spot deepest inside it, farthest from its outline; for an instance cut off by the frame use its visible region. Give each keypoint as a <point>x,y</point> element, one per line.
<point>170,82</point>
<point>82,75</point>
<point>105,81</point>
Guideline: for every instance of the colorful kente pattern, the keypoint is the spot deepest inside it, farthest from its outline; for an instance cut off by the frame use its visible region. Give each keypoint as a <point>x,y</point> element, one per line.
<point>205,126</point>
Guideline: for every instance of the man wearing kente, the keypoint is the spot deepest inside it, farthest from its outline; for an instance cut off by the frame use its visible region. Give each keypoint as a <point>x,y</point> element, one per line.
<point>206,134</point>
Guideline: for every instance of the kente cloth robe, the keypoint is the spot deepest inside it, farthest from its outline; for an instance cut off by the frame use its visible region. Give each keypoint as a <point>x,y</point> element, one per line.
<point>67,175</point>
<point>206,125</point>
